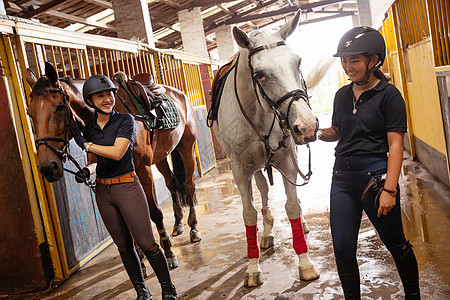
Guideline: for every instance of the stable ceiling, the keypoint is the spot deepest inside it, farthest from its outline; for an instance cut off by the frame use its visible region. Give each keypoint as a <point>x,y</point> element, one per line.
<point>97,16</point>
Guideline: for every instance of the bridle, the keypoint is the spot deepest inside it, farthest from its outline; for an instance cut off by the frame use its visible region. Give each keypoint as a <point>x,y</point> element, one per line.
<point>63,153</point>
<point>294,94</point>
<point>283,120</point>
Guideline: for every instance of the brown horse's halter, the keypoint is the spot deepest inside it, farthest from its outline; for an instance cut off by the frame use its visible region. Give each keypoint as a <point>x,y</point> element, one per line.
<point>64,152</point>
<point>283,120</point>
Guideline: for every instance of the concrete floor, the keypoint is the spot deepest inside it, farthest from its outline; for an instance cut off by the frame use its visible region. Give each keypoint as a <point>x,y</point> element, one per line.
<point>215,267</point>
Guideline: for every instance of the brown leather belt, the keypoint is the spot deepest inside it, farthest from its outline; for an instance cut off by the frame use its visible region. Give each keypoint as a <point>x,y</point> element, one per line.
<point>129,177</point>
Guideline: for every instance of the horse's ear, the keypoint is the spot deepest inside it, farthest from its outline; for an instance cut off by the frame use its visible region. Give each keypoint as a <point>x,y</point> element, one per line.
<point>241,38</point>
<point>31,78</point>
<point>290,26</point>
<point>51,74</point>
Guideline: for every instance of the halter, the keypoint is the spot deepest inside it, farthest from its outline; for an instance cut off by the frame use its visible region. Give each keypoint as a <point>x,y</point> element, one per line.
<point>283,120</point>
<point>64,152</point>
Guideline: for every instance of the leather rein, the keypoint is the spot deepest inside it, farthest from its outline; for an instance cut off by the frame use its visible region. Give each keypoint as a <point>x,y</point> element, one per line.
<point>282,119</point>
<point>63,153</point>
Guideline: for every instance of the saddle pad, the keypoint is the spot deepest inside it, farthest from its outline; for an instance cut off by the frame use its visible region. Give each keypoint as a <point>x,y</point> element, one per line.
<point>168,116</point>
<point>172,117</point>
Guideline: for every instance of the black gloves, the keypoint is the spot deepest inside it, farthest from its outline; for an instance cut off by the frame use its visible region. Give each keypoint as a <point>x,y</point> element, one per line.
<point>82,175</point>
<point>78,137</point>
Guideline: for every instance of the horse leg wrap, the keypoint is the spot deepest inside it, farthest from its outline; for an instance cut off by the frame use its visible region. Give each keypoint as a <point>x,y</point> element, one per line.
<point>252,241</point>
<point>298,236</point>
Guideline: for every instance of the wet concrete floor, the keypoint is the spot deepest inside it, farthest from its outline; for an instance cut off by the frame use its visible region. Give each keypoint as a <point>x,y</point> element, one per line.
<point>215,267</point>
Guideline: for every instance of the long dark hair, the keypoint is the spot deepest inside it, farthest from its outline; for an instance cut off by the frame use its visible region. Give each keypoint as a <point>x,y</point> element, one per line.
<point>380,75</point>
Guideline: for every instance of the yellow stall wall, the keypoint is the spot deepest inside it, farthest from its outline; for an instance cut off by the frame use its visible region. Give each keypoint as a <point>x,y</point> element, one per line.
<point>423,96</point>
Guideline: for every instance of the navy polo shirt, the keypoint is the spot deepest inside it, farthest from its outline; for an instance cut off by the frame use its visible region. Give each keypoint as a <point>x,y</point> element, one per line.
<point>379,110</point>
<point>119,125</point>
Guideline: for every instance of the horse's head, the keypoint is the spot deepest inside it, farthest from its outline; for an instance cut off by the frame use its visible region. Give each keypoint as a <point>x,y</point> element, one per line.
<point>276,76</point>
<point>50,112</point>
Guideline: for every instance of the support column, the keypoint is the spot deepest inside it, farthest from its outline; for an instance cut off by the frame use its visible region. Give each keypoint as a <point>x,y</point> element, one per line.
<point>226,45</point>
<point>132,20</point>
<point>2,8</point>
<point>364,13</point>
<point>192,32</point>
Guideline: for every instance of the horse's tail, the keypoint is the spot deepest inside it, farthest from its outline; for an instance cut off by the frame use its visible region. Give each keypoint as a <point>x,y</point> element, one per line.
<point>180,178</point>
<point>318,72</point>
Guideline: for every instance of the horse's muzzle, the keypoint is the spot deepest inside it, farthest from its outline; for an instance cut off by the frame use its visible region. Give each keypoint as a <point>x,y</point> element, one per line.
<point>52,170</point>
<point>302,136</point>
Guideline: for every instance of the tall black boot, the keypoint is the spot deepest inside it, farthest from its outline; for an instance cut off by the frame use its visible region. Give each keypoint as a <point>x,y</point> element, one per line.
<point>406,263</point>
<point>159,264</point>
<point>133,267</point>
<point>349,276</point>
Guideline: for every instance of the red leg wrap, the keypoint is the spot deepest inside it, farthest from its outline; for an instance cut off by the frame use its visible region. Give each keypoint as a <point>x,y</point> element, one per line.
<point>298,236</point>
<point>252,241</point>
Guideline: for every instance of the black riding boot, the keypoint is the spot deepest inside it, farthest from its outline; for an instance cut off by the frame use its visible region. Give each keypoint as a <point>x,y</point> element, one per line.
<point>133,267</point>
<point>406,263</point>
<point>159,264</point>
<point>349,276</point>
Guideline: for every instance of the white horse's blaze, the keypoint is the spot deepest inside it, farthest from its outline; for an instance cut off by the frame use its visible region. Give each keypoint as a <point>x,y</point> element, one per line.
<point>277,69</point>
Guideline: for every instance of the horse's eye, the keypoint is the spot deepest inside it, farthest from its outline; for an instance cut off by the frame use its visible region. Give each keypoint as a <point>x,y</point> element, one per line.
<point>259,75</point>
<point>60,107</point>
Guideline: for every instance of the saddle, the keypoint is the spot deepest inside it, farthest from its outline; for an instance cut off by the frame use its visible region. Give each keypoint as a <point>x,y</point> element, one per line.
<point>217,88</point>
<point>149,99</point>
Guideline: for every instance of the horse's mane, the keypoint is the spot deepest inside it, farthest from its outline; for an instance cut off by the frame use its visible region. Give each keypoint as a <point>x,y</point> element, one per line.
<point>43,83</point>
<point>69,81</point>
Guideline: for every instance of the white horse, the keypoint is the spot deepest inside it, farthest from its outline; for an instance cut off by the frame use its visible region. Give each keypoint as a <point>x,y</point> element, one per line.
<point>257,125</point>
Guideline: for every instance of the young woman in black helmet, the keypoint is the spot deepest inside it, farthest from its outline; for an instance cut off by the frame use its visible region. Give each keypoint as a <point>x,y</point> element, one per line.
<point>368,121</point>
<point>119,194</point>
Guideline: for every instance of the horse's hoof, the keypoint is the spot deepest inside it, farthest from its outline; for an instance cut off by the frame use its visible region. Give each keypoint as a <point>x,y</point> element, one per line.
<point>267,241</point>
<point>177,229</point>
<point>309,273</point>
<point>172,262</point>
<point>195,236</point>
<point>253,279</point>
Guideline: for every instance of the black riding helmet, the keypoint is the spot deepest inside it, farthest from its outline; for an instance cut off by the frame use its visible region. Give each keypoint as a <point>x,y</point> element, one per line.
<point>96,84</point>
<point>363,40</point>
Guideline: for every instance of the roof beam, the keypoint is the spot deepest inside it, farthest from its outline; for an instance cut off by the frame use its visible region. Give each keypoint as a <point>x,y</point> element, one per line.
<point>197,3</point>
<point>226,10</point>
<point>165,25</point>
<point>100,3</point>
<point>171,3</point>
<point>76,19</point>
<point>28,14</point>
<point>338,15</point>
<point>286,10</point>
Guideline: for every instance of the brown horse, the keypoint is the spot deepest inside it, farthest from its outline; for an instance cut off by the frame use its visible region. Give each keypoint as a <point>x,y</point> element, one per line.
<point>55,100</point>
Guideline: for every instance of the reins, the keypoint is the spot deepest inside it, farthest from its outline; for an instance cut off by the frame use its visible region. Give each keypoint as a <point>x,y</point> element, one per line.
<point>64,152</point>
<point>282,119</point>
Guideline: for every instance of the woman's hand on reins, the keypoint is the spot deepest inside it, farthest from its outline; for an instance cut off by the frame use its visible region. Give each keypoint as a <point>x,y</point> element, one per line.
<point>76,133</point>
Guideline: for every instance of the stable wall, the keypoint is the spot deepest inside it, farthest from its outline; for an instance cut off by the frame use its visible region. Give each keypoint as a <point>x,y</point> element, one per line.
<point>425,109</point>
<point>21,252</point>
